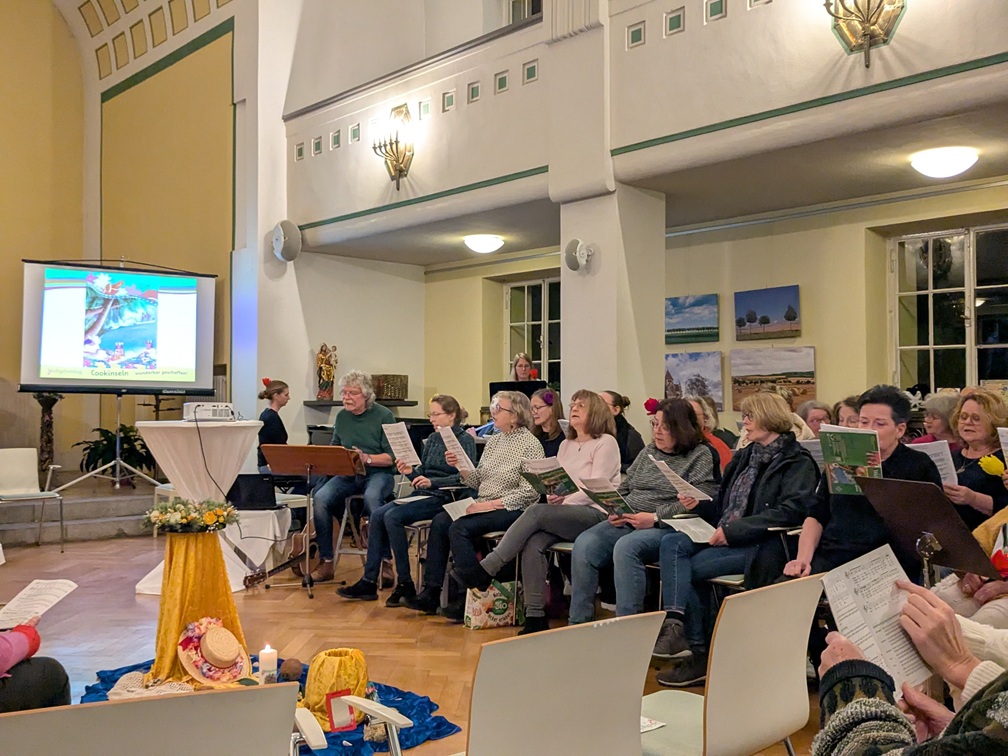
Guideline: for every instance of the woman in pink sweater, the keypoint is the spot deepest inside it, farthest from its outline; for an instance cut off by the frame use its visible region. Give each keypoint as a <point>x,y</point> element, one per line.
<point>27,682</point>
<point>589,451</point>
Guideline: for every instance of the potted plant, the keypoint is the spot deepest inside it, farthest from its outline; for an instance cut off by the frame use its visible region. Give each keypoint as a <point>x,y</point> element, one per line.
<point>102,450</point>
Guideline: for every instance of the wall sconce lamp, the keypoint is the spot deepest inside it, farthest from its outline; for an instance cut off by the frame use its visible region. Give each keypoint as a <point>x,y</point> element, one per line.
<point>862,24</point>
<point>396,147</point>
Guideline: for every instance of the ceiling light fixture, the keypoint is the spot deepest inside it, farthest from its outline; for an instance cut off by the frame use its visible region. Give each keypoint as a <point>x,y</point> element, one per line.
<point>943,162</point>
<point>863,24</point>
<point>484,243</point>
<point>396,147</point>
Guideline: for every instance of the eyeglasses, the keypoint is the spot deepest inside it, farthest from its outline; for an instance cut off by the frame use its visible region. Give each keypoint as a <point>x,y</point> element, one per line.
<point>746,416</point>
<point>435,414</point>
<point>579,405</point>
<point>495,408</point>
<point>537,407</point>
<point>351,392</point>
<point>655,425</point>
<point>965,417</point>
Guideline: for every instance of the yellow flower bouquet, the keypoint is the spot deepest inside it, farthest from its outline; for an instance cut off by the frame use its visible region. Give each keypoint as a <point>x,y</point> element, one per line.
<point>180,516</point>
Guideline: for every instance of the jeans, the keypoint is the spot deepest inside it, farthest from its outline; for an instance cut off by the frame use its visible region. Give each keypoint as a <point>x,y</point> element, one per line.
<point>593,549</point>
<point>459,539</point>
<point>387,529</point>
<point>539,527</point>
<point>330,497</point>
<point>685,568</point>
<point>630,555</point>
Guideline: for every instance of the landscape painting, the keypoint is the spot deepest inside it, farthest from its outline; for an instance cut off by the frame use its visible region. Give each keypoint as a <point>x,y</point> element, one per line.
<point>767,313</point>
<point>792,368</point>
<point>694,374</point>
<point>691,319</point>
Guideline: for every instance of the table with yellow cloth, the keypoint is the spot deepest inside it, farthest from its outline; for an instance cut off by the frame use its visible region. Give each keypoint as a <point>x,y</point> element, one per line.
<point>201,460</point>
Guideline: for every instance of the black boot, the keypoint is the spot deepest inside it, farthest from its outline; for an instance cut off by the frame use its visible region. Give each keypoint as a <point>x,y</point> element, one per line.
<point>471,577</point>
<point>363,589</point>
<point>455,611</point>
<point>427,602</point>
<point>534,625</point>
<point>402,594</point>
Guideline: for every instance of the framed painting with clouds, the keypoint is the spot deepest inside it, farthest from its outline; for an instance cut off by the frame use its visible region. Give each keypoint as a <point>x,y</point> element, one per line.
<point>792,368</point>
<point>694,374</point>
<point>691,319</point>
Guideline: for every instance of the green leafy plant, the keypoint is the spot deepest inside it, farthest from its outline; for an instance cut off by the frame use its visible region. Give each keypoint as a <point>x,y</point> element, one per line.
<point>102,450</point>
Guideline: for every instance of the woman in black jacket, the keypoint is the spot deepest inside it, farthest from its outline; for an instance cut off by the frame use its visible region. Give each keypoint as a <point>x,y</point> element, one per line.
<point>764,486</point>
<point>628,439</point>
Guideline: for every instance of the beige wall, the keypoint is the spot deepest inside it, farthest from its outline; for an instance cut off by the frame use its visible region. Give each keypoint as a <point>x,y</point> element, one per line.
<point>167,155</point>
<point>839,261</point>
<point>41,130</point>
<point>464,324</point>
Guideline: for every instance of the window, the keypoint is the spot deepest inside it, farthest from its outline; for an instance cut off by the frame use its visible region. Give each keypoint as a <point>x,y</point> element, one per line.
<point>951,307</point>
<point>533,326</point>
<point>522,9</point>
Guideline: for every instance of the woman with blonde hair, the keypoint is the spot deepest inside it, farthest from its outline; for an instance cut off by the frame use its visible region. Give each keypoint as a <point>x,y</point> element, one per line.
<point>589,451</point>
<point>502,494</point>
<point>521,367</point>
<point>273,431</point>
<point>976,420</point>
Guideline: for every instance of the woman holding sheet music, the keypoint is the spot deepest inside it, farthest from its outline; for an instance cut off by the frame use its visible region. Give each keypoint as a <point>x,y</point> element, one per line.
<point>388,523</point>
<point>502,495</point>
<point>589,451</point>
<point>765,485</point>
<point>679,442</point>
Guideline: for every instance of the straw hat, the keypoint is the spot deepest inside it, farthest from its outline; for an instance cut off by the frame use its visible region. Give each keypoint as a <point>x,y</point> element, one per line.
<point>212,654</point>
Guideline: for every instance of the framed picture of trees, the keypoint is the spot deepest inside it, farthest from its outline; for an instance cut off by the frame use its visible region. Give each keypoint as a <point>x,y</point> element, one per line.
<point>767,313</point>
<point>694,374</point>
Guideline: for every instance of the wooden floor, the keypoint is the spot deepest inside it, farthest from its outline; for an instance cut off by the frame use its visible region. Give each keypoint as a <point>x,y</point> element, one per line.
<point>104,624</point>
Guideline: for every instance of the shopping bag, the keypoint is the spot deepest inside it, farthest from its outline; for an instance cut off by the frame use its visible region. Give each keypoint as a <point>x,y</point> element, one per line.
<point>500,605</point>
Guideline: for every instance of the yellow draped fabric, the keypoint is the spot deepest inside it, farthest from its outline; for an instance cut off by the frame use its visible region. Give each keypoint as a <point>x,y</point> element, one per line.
<point>195,585</point>
<point>987,532</point>
<point>337,669</point>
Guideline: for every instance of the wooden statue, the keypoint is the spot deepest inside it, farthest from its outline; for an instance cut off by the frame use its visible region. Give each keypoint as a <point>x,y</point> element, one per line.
<point>326,373</point>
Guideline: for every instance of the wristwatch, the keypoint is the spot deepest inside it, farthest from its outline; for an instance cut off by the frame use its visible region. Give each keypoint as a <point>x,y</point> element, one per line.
<point>367,461</point>
<point>656,518</point>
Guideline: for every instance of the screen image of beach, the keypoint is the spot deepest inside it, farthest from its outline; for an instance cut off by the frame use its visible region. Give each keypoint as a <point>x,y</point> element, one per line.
<point>103,324</point>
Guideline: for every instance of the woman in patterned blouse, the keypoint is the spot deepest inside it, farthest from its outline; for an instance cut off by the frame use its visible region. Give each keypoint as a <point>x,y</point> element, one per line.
<point>503,494</point>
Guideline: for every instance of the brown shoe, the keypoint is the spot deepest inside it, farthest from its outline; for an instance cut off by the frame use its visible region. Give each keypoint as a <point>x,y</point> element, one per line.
<point>324,573</point>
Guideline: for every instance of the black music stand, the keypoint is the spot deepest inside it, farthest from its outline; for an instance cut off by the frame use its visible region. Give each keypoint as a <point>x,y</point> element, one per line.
<point>311,460</point>
<point>922,521</point>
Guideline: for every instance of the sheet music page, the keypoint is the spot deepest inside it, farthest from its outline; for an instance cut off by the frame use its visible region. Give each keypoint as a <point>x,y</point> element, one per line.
<point>410,499</point>
<point>458,508</point>
<point>37,597</point>
<point>1003,437</point>
<point>866,605</point>
<point>399,440</point>
<point>452,444</point>
<point>941,455</point>
<point>697,528</point>
<point>679,483</point>
<point>814,447</point>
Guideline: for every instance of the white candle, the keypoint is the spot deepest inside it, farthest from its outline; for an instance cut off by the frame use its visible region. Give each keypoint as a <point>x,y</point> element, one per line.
<point>267,665</point>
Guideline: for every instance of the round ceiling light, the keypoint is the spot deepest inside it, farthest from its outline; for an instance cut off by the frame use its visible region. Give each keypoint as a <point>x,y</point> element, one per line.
<point>484,243</point>
<point>943,162</point>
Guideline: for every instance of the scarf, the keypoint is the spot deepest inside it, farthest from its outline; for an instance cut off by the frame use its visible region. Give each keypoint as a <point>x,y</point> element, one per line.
<point>738,496</point>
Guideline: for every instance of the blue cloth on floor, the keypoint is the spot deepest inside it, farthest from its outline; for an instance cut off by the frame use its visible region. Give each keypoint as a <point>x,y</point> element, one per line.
<point>420,709</point>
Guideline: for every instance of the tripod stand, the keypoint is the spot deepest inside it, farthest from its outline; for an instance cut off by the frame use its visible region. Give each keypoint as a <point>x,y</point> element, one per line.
<point>117,463</point>
<point>310,460</point>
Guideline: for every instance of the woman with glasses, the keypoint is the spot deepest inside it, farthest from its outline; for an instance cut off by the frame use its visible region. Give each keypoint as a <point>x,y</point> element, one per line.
<point>938,409</point>
<point>521,367</point>
<point>502,495</point>
<point>679,442</point>
<point>547,412</point>
<point>387,527</point>
<point>589,451</point>
<point>628,438</point>
<point>846,412</point>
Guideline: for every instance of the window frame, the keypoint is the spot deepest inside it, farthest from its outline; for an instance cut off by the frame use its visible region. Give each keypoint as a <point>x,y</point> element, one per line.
<point>543,364</point>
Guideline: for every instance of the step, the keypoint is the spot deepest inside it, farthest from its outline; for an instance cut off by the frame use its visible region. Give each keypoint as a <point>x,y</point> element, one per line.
<point>77,509</point>
<point>90,529</point>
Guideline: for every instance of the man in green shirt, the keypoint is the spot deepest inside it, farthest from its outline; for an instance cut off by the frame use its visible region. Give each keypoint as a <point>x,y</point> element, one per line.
<point>358,426</point>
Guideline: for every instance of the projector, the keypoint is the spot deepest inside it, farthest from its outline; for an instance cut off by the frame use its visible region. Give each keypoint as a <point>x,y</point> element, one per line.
<point>208,411</point>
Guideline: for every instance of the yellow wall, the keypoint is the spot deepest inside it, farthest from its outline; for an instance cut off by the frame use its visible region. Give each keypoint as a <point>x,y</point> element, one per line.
<point>839,261</point>
<point>464,324</point>
<point>42,134</point>
<point>167,157</point>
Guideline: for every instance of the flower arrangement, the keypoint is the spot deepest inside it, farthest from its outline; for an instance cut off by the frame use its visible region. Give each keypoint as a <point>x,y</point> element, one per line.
<point>180,516</point>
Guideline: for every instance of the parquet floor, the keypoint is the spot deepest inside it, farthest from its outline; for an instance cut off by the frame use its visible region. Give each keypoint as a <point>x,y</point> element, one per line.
<point>104,624</point>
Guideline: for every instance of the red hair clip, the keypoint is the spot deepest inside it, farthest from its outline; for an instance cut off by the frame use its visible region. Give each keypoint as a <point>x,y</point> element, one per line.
<point>266,382</point>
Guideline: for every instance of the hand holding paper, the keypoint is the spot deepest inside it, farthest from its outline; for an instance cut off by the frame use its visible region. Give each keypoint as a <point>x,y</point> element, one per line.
<point>38,597</point>
<point>402,446</point>
<point>460,460</point>
<point>679,483</point>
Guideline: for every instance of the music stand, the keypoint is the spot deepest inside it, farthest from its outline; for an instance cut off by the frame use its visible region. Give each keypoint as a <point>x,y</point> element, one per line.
<point>309,460</point>
<point>922,521</point>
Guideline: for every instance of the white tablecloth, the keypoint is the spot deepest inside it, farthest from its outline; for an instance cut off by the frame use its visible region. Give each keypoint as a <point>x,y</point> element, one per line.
<point>260,534</point>
<point>187,450</point>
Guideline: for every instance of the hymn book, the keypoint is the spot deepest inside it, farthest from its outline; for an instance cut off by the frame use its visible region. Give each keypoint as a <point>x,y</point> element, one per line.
<point>546,476</point>
<point>866,605</point>
<point>603,493</point>
<point>848,452</point>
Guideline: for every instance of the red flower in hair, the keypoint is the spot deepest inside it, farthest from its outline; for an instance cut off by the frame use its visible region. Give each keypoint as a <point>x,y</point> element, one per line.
<point>266,382</point>
<point>651,406</point>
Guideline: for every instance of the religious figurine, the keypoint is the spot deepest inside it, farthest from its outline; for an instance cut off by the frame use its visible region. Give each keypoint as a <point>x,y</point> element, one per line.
<point>326,374</point>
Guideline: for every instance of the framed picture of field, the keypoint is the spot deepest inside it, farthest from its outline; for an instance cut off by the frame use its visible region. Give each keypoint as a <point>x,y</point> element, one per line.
<point>691,319</point>
<point>694,374</point>
<point>767,313</point>
<point>792,368</point>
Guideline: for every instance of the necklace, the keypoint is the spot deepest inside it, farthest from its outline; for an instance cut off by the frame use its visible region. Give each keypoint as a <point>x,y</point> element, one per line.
<point>967,461</point>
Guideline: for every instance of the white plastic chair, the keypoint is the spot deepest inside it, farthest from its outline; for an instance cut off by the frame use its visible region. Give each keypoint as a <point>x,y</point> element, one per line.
<point>19,485</point>
<point>760,638</point>
<point>572,690</point>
